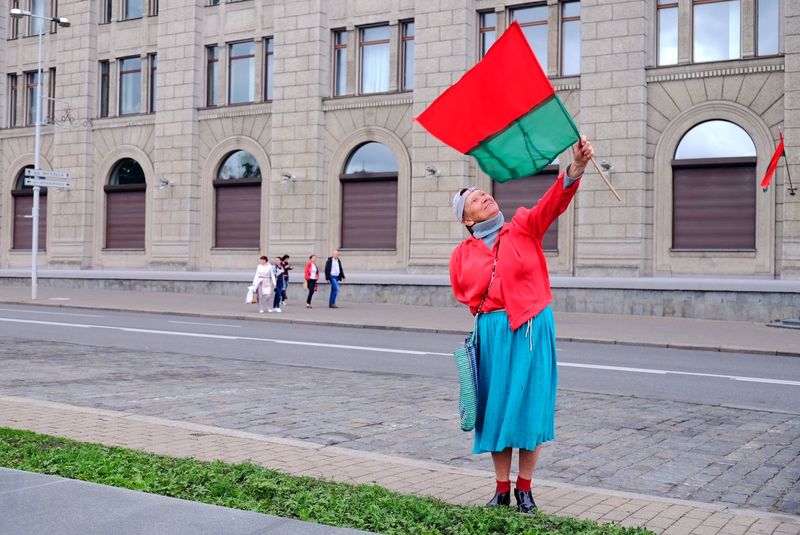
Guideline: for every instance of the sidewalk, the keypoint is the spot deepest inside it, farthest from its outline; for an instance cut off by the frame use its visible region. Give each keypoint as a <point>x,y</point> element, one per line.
<point>33,504</point>
<point>457,485</point>
<point>653,331</point>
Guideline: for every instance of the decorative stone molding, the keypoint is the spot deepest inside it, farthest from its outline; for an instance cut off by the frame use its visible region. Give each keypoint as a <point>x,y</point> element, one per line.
<point>708,73</point>
<point>367,104</point>
<point>214,113</point>
<point>123,122</point>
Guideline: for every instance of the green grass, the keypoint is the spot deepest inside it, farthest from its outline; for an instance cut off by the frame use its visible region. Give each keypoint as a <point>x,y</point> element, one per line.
<point>254,488</point>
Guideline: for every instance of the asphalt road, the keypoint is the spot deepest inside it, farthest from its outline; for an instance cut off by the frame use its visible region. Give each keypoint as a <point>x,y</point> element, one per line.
<point>735,380</point>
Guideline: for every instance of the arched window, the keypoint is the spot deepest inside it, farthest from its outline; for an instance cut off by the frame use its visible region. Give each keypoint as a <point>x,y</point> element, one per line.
<point>369,198</point>
<point>126,196</point>
<point>238,202</point>
<point>525,192</point>
<point>23,223</point>
<point>714,189</point>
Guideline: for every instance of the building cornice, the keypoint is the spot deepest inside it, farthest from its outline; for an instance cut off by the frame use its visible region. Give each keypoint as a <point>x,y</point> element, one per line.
<point>335,105</point>
<point>687,72</point>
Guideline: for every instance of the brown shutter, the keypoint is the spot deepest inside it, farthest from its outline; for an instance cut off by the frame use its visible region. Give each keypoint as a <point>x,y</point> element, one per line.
<point>714,204</point>
<point>526,192</point>
<point>238,213</point>
<point>125,216</point>
<point>23,226</point>
<point>369,212</point>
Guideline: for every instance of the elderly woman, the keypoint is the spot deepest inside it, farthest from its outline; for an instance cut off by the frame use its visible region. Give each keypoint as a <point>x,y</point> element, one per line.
<point>263,282</point>
<point>501,270</point>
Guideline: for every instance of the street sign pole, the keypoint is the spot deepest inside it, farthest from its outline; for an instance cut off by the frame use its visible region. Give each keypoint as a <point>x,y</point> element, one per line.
<point>37,166</point>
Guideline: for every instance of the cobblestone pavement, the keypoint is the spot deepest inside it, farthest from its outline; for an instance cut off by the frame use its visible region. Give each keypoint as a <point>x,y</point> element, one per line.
<point>678,450</point>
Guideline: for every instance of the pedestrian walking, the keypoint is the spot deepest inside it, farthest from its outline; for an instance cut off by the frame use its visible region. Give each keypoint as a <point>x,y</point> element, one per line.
<point>286,269</point>
<point>311,273</point>
<point>335,274</point>
<point>277,269</point>
<point>263,282</point>
<point>501,270</point>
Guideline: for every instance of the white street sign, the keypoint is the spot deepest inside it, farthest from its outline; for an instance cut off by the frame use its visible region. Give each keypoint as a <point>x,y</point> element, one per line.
<point>45,183</point>
<point>39,173</point>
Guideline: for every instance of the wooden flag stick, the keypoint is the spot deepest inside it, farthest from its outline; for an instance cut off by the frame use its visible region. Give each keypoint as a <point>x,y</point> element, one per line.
<point>605,179</point>
<point>792,189</point>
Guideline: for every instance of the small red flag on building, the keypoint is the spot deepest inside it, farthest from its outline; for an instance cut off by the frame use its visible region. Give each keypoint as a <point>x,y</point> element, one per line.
<point>773,164</point>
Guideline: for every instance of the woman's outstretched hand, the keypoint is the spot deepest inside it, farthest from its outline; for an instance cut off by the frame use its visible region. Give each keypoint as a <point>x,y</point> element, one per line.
<point>582,153</point>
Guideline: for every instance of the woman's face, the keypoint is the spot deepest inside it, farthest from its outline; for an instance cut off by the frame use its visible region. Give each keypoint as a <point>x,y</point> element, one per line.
<point>262,261</point>
<point>479,207</point>
<point>313,259</point>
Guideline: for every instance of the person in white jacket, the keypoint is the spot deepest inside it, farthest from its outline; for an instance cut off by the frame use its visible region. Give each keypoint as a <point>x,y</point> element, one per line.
<point>263,282</point>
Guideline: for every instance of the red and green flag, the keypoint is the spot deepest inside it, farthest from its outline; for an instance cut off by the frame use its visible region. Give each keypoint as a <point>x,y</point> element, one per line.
<point>504,112</point>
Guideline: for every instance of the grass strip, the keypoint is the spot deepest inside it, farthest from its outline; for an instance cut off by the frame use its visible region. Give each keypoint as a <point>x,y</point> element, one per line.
<point>254,488</point>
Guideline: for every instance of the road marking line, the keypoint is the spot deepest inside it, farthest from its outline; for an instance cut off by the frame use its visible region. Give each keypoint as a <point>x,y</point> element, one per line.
<point>206,324</point>
<point>76,314</point>
<point>396,351</point>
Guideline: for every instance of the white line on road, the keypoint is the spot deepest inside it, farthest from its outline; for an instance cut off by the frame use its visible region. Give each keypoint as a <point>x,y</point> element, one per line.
<point>51,313</point>
<point>206,324</point>
<point>389,350</point>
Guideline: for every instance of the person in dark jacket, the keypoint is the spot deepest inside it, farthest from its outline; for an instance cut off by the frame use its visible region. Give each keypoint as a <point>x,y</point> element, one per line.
<point>286,269</point>
<point>334,274</point>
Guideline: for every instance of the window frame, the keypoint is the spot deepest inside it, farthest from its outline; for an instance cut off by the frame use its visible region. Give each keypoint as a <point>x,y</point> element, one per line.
<point>545,22</point>
<point>104,104</point>
<point>231,59</point>
<point>53,13</point>
<point>19,190</point>
<point>360,46</point>
<point>212,75</point>
<point>563,20</point>
<point>337,47</point>
<point>484,30</point>
<point>33,20</point>
<point>269,68</point>
<point>51,96</point>
<point>107,12</point>
<point>672,5</point>
<point>125,4</point>
<point>29,98</point>
<point>13,26</point>
<point>13,99</point>
<point>694,4</point>
<point>248,182</point>
<point>778,29</point>
<point>403,55</point>
<point>152,63</point>
<point>138,86</point>
<point>111,189</point>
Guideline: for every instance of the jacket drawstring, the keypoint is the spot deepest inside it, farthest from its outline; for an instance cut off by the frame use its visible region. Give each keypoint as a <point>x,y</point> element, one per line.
<point>529,334</point>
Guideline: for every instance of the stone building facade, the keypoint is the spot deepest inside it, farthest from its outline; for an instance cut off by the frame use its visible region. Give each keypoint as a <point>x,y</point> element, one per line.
<point>301,86</point>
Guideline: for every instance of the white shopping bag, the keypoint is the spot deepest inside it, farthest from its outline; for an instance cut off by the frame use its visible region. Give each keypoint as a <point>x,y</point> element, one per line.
<point>251,296</point>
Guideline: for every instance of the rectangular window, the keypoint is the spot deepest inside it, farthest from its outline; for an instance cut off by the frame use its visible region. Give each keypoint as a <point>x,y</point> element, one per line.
<point>130,86</point>
<point>13,89</point>
<point>716,30</point>
<point>768,27</point>
<point>212,74</point>
<point>570,38</point>
<point>31,102</point>
<point>53,13</point>
<point>105,80</point>
<point>13,24</point>
<point>107,11</point>
<point>339,63</point>
<point>37,25</point>
<point>269,68</point>
<point>375,67</point>
<point>132,9</point>
<point>153,86</point>
<point>407,54</point>
<point>667,32</point>
<point>487,32</point>
<point>51,94</point>
<point>241,72</point>
<point>153,8</point>
<point>534,24</point>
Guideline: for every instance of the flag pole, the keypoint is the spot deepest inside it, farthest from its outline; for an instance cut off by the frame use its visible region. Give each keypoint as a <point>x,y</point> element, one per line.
<point>792,189</point>
<point>608,183</point>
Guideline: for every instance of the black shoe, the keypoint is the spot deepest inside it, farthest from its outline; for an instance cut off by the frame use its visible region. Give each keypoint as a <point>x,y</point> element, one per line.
<point>525,503</point>
<point>500,498</point>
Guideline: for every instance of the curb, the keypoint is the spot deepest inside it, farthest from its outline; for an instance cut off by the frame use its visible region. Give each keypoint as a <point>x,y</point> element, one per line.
<point>274,318</point>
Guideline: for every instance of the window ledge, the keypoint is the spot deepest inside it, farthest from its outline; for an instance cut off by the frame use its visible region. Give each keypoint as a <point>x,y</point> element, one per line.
<point>122,250</point>
<point>713,253</point>
<point>226,250</point>
<point>367,101</point>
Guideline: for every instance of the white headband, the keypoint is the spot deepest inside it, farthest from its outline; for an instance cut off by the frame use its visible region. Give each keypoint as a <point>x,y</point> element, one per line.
<point>459,200</point>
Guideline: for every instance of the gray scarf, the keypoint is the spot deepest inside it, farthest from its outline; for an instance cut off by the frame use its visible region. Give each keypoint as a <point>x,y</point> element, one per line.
<point>489,230</point>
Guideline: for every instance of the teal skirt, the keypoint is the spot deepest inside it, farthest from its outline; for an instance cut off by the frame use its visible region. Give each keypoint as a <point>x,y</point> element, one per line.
<point>517,379</point>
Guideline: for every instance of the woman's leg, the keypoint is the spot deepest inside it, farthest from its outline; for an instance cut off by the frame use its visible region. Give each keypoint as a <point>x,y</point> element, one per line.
<point>502,464</point>
<point>311,286</point>
<point>276,302</point>
<point>527,462</point>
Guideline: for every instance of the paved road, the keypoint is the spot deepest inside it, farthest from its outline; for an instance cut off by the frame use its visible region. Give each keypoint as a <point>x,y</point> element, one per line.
<point>696,425</point>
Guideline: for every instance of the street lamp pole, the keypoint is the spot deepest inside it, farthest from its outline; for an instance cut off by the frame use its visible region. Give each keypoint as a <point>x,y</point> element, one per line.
<point>61,21</point>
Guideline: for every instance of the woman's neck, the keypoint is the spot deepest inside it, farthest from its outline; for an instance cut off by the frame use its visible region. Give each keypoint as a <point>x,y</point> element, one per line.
<point>489,229</point>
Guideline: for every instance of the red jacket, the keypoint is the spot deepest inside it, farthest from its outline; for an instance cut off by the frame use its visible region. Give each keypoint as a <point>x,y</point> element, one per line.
<point>521,285</point>
<point>308,271</point>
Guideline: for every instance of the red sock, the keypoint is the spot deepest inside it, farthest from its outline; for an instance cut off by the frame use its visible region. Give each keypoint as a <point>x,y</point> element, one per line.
<point>503,486</point>
<point>523,485</point>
